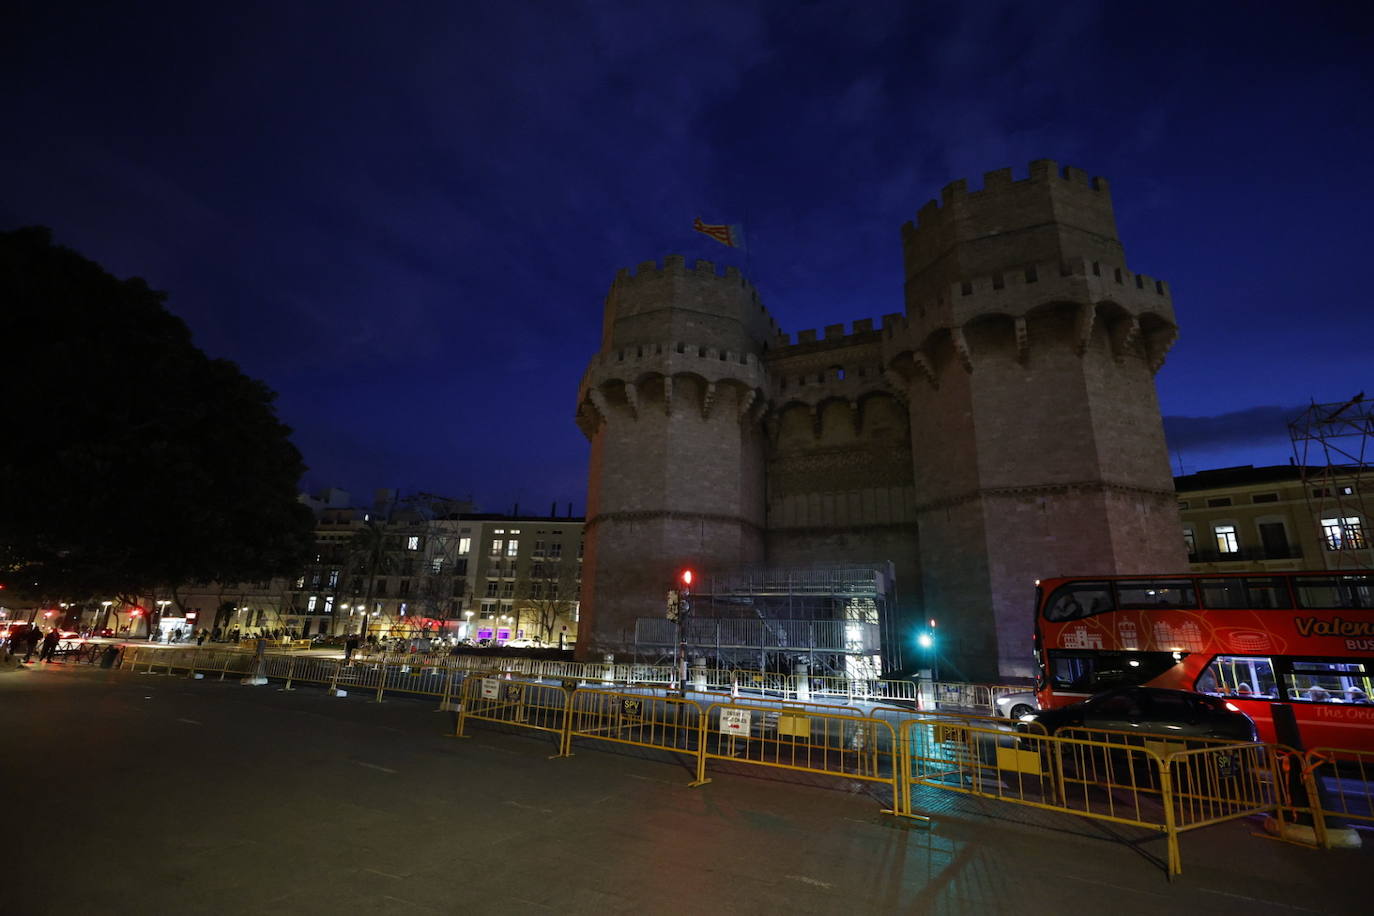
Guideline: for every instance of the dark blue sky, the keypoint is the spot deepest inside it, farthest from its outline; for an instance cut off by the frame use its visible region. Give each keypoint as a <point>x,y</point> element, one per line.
<point>405,217</point>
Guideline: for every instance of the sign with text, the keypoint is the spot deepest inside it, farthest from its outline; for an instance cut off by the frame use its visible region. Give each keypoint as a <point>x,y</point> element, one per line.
<point>735,722</point>
<point>491,688</point>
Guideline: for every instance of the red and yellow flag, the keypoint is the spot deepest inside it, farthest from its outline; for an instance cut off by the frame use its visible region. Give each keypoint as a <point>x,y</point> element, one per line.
<point>726,235</point>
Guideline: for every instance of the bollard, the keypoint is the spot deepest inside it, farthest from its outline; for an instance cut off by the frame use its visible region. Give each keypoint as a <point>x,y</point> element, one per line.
<point>381,681</point>
<point>290,673</point>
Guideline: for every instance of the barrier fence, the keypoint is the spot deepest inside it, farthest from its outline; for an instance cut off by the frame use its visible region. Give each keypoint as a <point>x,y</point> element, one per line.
<point>1161,784</point>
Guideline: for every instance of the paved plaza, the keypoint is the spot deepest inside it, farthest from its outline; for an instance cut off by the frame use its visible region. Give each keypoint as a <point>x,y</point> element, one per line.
<point>133,793</point>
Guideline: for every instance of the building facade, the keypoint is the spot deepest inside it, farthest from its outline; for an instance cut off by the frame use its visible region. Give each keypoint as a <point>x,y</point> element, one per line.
<point>415,566</point>
<point>1249,519</point>
<point>1002,428</point>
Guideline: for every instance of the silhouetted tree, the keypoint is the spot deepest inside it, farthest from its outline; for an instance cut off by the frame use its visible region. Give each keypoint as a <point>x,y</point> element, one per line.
<point>132,461</point>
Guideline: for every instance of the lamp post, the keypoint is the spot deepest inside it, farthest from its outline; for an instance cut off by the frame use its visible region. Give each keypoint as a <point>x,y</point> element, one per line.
<point>467,624</point>
<point>104,616</point>
<point>161,609</point>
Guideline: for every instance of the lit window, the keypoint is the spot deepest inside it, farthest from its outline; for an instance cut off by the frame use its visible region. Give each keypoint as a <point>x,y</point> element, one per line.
<point>464,546</point>
<point>436,565</point>
<point>497,546</point>
<point>512,547</point>
<point>329,605</point>
<point>413,542</point>
<point>1343,533</point>
<point>310,604</point>
<point>333,578</point>
<point>1226,539</point>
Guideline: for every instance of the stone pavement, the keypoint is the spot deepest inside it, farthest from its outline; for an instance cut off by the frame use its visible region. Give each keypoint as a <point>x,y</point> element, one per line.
<point>152,794</point>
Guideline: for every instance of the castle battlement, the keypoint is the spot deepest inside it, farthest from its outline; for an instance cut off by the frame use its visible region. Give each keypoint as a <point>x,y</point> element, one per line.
<point>1000,181</point>
<point>648,278</point>
<point>861,331</point>
<point>1017,291</point>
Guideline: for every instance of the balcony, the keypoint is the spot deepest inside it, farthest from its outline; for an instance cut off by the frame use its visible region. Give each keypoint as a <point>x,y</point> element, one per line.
<point>1246,555</point>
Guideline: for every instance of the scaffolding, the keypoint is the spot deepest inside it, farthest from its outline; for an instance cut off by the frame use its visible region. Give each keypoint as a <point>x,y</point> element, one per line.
<point>1333,444</point>
<point>836,619</point>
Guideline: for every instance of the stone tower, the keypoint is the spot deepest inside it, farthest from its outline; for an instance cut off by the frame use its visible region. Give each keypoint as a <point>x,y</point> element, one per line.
<point>672,404</point>
<point>1004,429</point>
<point>1029,351</point>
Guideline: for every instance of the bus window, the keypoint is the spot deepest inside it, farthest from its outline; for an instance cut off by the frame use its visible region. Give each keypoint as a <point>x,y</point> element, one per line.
<point>1330,682</point>
<point>1075,600</point>
<point>1239,676</point>
<point>1331,592</point>
<point>1149,593</point>
<point>1247,593</point>
<point>1093,672</point>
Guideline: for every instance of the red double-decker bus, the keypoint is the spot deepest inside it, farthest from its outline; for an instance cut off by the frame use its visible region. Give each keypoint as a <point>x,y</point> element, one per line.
<point>1304,638</point>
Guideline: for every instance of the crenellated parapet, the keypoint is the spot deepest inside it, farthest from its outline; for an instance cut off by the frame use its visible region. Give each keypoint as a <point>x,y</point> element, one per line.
<point>1135,309</point>
<point>670,300</point>
<point>627,371</point>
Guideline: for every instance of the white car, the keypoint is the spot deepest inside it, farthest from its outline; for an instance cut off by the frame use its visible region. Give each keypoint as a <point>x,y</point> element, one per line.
<point>1016,705</point>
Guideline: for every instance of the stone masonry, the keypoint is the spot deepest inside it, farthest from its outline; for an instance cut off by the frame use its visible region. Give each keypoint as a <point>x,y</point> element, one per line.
<point>1005,428</point>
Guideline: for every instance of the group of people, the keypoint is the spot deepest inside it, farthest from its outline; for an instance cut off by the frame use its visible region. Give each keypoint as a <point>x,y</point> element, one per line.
<point>30,640</point>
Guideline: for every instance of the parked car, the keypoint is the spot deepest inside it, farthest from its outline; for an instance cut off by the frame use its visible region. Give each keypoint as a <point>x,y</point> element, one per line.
<point>14,629</point>
<point>1177,713</point>
<point>1016,705</point>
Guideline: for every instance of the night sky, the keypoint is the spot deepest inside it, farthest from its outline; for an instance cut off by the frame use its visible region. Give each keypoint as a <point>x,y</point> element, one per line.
<point>404,217</point>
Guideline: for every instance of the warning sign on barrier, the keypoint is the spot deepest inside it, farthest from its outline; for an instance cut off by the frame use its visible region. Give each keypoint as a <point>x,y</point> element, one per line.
<point>514,692</point>
<point>796,726</point>
<point>734,721</point>
<point>491,688</point>
<point>632,709</point>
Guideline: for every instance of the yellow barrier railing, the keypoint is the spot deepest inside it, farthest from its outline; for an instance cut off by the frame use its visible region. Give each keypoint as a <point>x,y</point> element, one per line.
<point>541,707</point>
<point>663,722</point>
<point>1346,790</point>
<point>855,747</point>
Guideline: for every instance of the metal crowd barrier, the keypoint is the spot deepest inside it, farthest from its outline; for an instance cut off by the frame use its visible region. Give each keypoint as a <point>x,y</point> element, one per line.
<point>1163,784</point>
<point>855,747</point>
<point>541,707</point>
<point>665,723</point>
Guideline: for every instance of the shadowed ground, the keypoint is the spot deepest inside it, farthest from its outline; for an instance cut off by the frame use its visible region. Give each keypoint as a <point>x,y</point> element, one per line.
<point>150,794</point>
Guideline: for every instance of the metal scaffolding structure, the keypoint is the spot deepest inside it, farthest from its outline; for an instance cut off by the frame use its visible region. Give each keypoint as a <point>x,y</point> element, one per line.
<point>1334,445</point>
<point>836,619</point>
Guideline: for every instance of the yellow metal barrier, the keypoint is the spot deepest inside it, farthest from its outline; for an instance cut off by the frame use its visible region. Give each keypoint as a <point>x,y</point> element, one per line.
<point>541,707</point>
<point>1347,779</point>
<point>855,747</point>
<point>663,722</point>
<point>1222,783</point>
<point>1110,782</point>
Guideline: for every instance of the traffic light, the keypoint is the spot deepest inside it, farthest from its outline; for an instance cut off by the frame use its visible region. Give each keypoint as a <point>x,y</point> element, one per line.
<point>136,612</point>
<point>686,578</point>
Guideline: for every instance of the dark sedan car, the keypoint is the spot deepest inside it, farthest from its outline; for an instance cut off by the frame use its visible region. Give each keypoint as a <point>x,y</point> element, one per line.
<point>1153,710</point>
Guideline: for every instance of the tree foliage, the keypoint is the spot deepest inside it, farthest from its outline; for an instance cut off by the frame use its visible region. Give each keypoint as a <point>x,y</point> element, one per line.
<point>130,459</point>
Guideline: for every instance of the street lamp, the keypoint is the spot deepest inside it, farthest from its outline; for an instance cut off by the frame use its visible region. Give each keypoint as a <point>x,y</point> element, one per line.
<point>161,609</point>
<point>105,617</point>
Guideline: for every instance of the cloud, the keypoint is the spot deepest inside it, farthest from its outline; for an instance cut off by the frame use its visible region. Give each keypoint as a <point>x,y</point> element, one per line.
<point>1264,425</point>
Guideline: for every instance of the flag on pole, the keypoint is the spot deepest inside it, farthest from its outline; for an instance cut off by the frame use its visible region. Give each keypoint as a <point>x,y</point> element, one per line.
<point>729,236</point>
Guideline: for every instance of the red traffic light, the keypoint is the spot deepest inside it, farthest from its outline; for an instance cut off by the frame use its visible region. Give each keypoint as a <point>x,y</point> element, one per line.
<point>686,577</point>
<point>136,612</point>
